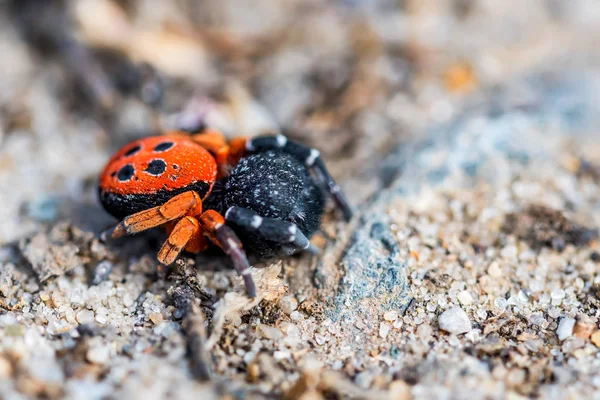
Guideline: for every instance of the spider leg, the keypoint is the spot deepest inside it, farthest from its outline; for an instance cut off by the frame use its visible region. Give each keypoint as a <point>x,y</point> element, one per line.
<point>272,229</point>
<point>227,153</point>
<point>211,140</point>
<point>178,232</point>
<point>216,143</point>
<point>222,235</point>
<point>310,157</point>
<point>186,203</point>
<point>184,231</point>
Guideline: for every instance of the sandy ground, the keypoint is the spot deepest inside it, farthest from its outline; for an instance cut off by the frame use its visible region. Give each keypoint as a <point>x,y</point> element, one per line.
<point>465,132</point>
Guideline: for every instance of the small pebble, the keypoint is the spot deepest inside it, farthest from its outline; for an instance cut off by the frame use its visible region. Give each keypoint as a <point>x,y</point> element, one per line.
<point>399,390</point>
<point>596,338</point>
<point>384,329</point>
<point>558,294</point>
<point>156,318</point>
<point>424,331</point>
<point>98,355</point>
<point>281,355</point>
<point>85,316</point>
<point>288,304</point>
<point>455,320</point>
<point>320,339</point>
<point>464,297</point>
<point>398,323</point>
<point>101,272</point>
<point>296,316</point>
<point>6,368</point>
<point>494,270</point>
<point>584,327</point>
<point>565,328</point>
<point>269,332</point>
<point>101,319</point>
<point>290,329</point>
<point>391,316</point>
<point>128,299</point>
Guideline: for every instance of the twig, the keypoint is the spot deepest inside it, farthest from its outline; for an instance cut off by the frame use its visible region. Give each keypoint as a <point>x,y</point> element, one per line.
<point>195,334</point>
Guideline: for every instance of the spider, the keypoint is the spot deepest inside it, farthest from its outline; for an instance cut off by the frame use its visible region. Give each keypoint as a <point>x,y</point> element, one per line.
<point>265,195</point>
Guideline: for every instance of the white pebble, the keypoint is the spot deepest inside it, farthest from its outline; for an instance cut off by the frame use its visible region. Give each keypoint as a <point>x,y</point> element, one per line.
<point>292,334</point>
<point>101,319</point>
<point>288,304</point>
<point>281,355</point>
<point>85,316</point>
<point>128,300</point>
<point>102,311</point>
<point>565,328</point>
<point>391,316</point>
<point>500,302</point>
<point>509,252</point>
<point>270,332</point>
<point>320,339</point>
<point>455,320</point>
<point>290,329</point>
<point>398,323</point>
<point>384,330</point>
<point>424,331</point>
<point>98,355</point>
<point>296,316</point>
<point>464,297</point>
<point>494,270</point>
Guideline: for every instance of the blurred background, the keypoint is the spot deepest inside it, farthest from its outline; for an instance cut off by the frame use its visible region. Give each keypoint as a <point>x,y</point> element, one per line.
<point>354,78</point>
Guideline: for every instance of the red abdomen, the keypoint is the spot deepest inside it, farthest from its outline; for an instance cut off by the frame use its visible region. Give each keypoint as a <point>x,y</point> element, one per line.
<point>149,171</point>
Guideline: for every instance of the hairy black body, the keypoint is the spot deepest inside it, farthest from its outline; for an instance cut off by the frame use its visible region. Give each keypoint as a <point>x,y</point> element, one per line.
<point>278,191</point>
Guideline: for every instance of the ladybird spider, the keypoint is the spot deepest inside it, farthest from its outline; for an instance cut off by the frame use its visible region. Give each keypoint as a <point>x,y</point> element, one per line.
<point>258,192</point>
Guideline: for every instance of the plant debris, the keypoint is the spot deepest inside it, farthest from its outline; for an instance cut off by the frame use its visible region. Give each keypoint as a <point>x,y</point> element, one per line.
<point>543,227</point>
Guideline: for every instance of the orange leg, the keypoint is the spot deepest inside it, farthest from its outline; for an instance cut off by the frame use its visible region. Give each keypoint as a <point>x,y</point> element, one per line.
<point>226,154</point>
<point>216,144</point>
<point>184,231</point>
<point>237,149</point>
<point>187,203</point>
<point>189,233</point>
<point>211,140</point>
<point>197,243</point>
<point>181,234</point>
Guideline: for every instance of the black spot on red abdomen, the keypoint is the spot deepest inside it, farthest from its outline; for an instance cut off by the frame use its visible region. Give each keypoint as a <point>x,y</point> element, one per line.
<point>121,205</point>
<point>164,146</point>
<point>132,151</point>
<point>126,173</point>
<point>156,167</point>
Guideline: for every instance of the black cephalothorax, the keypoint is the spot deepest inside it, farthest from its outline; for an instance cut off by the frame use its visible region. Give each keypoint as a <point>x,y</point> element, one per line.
<point>271,201</point>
